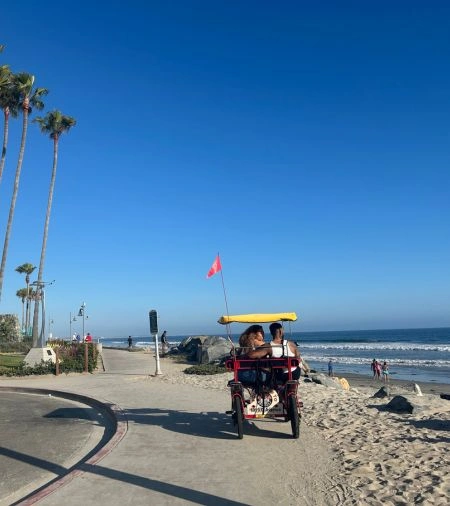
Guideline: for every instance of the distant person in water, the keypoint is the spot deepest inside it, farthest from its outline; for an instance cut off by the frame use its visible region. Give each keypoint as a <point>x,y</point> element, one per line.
<point>330,368</point>
<point>130,341</point>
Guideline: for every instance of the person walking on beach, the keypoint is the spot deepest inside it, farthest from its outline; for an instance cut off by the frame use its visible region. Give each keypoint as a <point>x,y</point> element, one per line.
<point>130,341</point>
<point>330,368</point>
<point>164,342</point>
<point>385,371</point>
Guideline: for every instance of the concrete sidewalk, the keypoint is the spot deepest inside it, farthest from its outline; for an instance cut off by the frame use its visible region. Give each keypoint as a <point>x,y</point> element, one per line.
<point>179,446</point>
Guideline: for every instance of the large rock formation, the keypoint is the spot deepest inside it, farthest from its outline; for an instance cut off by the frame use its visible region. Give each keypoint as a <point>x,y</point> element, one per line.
<point>213,350</point>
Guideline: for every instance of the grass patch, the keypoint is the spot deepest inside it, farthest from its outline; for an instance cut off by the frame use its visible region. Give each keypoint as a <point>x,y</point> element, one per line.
<point>206,369</point>
<point>10,361</point>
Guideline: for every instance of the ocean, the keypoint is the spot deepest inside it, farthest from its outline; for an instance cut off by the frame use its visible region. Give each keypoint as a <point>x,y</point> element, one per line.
<point>418,355</point>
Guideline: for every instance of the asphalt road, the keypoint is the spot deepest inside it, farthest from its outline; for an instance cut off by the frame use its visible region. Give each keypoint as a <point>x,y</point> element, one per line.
<point>41,436</point>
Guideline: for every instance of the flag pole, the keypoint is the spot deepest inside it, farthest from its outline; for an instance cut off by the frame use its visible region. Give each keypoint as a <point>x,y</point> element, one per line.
<point>225,297</point>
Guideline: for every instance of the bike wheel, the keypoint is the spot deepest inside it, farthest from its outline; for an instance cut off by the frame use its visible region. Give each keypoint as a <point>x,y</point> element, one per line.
<point>238,416</point>
<point>293,416</point>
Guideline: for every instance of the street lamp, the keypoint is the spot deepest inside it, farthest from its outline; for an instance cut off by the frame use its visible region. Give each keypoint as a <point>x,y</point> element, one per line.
<point>81,313</point>
<point>72,319</point>
<point>50,323</point>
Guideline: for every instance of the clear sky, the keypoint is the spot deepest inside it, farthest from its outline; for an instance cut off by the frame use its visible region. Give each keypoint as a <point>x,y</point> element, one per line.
<point>307,142</point>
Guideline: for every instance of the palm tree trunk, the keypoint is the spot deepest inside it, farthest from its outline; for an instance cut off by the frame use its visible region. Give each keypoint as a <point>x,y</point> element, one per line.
<point>14,196</point>
<point>5,140</point>
<point>44,239</point>
<point>23,312</point>
<point>27,313</point>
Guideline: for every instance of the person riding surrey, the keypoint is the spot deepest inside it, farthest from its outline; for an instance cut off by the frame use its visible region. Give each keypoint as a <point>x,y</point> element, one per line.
<point>283,348</point>
<point>250,339</point>
<point>251,342</point>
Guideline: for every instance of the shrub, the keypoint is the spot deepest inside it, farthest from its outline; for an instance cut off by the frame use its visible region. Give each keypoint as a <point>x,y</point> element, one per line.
<point>205,369</point>
<point>26,370</point>
<point>16,346</point>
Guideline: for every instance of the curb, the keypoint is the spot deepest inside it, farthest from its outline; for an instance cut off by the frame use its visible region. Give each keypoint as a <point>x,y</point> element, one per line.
<point>111,438</point>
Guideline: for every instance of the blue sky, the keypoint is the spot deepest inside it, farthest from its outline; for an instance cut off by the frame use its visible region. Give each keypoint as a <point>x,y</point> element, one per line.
<point>308,143</point>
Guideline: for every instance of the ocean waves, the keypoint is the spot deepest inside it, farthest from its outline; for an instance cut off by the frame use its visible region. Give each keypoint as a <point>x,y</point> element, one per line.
<point>419,363</point>
<point>441,348</point>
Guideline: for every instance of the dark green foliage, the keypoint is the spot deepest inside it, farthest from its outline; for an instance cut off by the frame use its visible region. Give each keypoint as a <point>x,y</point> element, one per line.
<point>205,369</point>
<point>25,370</point>
<point>71,357</point>
<point>15,346</point>
<point>9,328</point>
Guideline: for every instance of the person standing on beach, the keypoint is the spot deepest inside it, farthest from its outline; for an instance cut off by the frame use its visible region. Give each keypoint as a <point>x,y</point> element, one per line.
<point>373,367</point>
<point>130,341</point>
<point>378,369</point>
<point>385,371</point>
<point>164,342</point>
<point>330,368</point>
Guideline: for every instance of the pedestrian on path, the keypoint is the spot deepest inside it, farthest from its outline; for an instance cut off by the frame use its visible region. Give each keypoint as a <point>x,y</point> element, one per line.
<point>164,342</point>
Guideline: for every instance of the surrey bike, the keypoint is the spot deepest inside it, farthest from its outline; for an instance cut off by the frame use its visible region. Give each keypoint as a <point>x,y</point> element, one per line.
<point>264,396</point>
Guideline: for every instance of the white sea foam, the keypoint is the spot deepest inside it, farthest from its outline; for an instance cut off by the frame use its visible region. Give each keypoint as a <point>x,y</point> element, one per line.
<point>376,346</point>
<point>359,361</point>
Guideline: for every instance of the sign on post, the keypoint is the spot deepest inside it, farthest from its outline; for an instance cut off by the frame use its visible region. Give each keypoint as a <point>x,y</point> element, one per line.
<point>153,316</point>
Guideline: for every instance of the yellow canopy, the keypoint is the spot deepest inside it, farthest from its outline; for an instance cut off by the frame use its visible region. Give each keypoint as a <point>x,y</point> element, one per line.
<point>258,318</point>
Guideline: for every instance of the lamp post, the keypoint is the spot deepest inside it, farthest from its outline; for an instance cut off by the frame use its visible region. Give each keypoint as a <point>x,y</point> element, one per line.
<point>50,323</point>
<point>81,313</point>
<point>72,319</point>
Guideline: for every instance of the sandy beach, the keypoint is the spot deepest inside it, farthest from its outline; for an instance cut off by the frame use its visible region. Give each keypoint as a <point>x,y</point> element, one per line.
<point>382,457</point>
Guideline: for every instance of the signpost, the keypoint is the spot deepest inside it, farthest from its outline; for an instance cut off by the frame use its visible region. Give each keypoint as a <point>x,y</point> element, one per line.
<point>153,316</point>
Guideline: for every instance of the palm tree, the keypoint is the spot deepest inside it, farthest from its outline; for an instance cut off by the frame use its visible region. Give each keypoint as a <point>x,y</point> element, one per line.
<point>27,269</point>
<point>54,124</point>
<point>9,103</point>
<point>23,84</point>
<point>23,294</point>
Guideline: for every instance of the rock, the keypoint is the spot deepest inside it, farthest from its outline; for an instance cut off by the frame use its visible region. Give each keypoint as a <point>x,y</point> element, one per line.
<point>445,396</point>
<point>382,392</point>
<point>213,349</point>
<point>402,404</point>
<point>417,390</point>
<point>344,383</point>
<point>326,381</point>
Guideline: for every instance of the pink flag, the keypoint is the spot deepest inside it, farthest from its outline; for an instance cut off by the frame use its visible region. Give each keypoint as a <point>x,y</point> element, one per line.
<point>215,268</point>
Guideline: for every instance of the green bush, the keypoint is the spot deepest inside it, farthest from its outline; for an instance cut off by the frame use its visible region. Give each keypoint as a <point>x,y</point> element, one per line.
<point>71,359</point>
<point>16,346</point>
<point>25,370</point>
<point>205,369</point>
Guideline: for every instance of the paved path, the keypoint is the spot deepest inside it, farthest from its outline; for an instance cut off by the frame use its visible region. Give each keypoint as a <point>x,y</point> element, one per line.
<point>181,448</point>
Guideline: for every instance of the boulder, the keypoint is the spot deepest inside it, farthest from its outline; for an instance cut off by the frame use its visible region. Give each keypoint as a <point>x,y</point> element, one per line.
<point>326,381</point>
<point>213,350</point>
<point>402,404</point>
<point>190,346</point>
<point>382,392</point>
<point>417,390</point>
